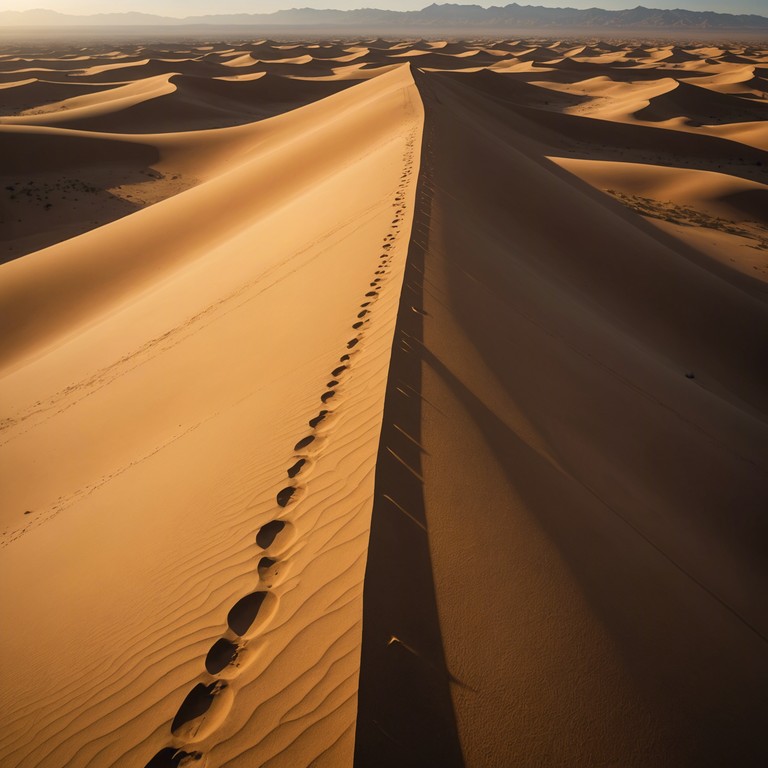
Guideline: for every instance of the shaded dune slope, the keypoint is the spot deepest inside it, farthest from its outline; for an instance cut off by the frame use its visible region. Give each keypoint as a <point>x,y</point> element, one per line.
<point>592,446</point>
<point>700,106</point>
<point>405,713</point>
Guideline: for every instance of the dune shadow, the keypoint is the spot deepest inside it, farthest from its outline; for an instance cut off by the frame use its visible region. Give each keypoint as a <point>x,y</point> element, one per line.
<point>405,711</point>
<point>54,187</point>
<point>692,642</point>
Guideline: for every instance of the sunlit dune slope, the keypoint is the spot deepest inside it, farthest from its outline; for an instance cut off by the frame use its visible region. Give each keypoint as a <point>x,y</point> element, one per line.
<point>161,370</point>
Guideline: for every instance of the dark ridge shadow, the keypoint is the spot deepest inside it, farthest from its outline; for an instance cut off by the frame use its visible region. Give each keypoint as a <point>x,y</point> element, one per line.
<point>405,712</point>
<point>689,635</point>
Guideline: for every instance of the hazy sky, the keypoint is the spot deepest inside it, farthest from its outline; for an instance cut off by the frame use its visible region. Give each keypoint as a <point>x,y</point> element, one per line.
<point>194,7</point>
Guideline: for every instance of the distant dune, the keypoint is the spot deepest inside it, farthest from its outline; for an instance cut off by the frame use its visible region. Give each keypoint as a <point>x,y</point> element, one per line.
<point>384,403</point>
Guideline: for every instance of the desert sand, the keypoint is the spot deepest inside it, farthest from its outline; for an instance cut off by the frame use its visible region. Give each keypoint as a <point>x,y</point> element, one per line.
<point>384,403</point>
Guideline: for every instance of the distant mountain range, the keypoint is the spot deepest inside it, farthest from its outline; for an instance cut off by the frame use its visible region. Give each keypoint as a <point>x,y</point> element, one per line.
<point>445,16</point>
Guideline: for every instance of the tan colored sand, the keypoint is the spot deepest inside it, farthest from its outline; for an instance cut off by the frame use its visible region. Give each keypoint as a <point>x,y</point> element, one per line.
<point>158,337</point>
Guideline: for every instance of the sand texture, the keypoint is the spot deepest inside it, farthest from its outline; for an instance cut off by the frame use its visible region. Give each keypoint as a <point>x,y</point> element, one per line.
<point>384,404</point>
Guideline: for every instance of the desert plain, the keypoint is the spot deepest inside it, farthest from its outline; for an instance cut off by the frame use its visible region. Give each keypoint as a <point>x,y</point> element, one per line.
<point>384,403</point>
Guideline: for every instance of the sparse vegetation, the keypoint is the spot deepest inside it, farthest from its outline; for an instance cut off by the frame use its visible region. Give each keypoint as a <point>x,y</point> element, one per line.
<point>690,217</point>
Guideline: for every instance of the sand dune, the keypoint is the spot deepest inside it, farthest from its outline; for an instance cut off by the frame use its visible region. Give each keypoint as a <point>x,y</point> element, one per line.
<point>384,403</point>
<point>716,193</point>
<point>75,110</point>
<point>193,304</point>
<point>699,106</point>
<point>752,134</point>
<point>169,103</point>
<point>32,93</point>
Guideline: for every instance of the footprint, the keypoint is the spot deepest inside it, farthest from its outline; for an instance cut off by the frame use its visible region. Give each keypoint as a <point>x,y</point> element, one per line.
<point>326,396</point>
<point>197,702</point>
<point>202,711</point>
<point>304,442</point>
<point>296,468</point>
<point>338,371</point>
<point>372,293</point>
<point>363,313</point>
<point>352,343</point>
<point>269,570</point>
<point>242,617</point>
<point>269,532</point>
<point>355,326</point>
<point>223,653</point>
<point>170,757</point>
<point>344,358</point>
<point>320,416</point>
<point>285,495</point>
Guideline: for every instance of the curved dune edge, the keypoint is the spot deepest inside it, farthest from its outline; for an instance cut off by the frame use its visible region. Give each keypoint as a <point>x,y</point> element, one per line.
<point>214,630</point>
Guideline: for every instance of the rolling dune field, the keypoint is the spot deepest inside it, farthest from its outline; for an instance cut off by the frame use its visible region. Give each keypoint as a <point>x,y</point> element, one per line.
<point>384,403</point>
